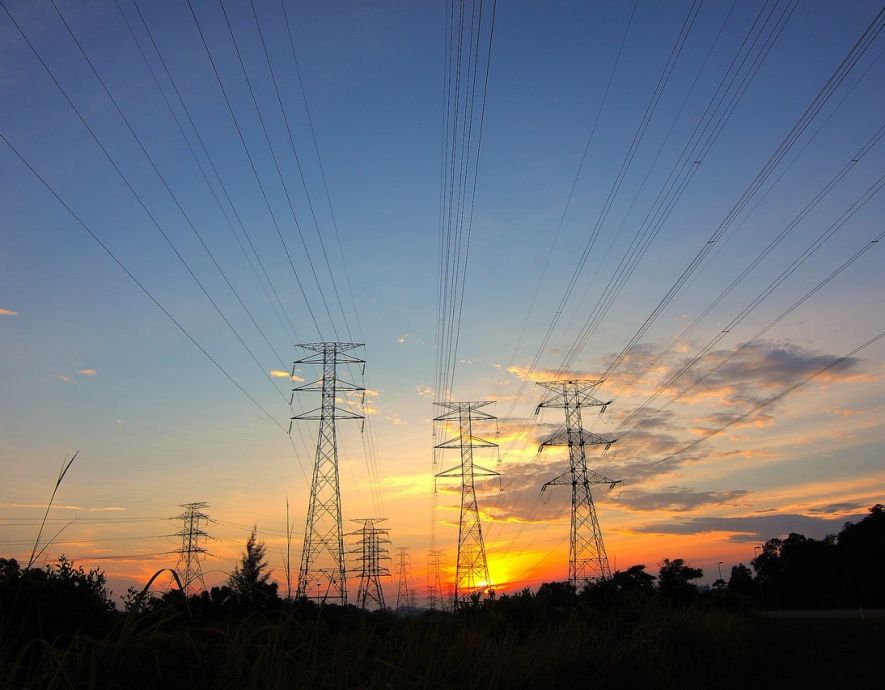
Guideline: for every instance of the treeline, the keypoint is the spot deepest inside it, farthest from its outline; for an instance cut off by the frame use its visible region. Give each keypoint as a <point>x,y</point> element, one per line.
<point>59,626</point>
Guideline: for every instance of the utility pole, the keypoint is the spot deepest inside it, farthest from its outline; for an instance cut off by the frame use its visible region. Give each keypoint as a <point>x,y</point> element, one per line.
<point>587,558</point>
<point>371,550</point>
<point>189,569</point>
<point>323,574</point>
<point>404,598</point>
<point>472,572</point>
<point>435,598</point>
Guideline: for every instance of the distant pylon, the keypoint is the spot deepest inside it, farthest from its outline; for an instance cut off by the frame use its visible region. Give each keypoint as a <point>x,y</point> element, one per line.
<point>435,596</point>
<point>371,551</point>
<point>404,595</point>
<point>322,574</point>
<point>587,558</point>
<point>472,572</point>
<point>192,532</point>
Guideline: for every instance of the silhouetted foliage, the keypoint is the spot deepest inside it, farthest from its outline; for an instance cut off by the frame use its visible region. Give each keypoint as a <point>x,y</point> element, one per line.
<point>641,631</point>
<point>861,561</point>
<point>49,601</point>
<point>741,581</point>
<point>250,580</point>
<point>675,581</point>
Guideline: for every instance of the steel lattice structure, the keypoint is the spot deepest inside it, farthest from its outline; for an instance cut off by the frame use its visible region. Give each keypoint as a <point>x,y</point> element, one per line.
<point>435,598</point>
<point>371,551</point>
<point>192,532</point>
<point>323,574</point>
<point>404,598</point>
<point>472,572</point>
<point>587,557</point>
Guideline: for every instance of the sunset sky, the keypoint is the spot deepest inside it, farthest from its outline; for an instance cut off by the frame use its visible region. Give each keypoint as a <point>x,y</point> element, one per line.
<point>88,362</point>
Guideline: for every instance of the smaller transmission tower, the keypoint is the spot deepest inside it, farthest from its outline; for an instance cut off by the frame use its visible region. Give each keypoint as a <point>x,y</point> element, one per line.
<point>192,532</point>
<point>371,551</point>
<point>404,595</point>
<point>435,597</point>
<point>587,558</point>
<point>322,558</point>
<point>472,572</point>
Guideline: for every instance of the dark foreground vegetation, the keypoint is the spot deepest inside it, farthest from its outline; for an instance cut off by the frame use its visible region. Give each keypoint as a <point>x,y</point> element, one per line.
<point>60,628</point>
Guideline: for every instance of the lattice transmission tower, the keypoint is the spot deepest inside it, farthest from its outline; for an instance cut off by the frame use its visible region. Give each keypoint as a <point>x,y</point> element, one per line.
<point>472,571</point>
<point>323,574</point>
<point>435,596</point>
<point>587,558</point>
<point>404,596</point>
<point>371,553</point>
<point>192,533</point>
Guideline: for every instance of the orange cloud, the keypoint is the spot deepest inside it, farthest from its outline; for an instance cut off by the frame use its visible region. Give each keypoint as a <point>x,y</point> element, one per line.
<point>8,312</point>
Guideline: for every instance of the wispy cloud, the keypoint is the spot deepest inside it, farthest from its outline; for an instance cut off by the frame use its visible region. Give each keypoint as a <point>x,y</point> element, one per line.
<point>8,312</point>
<point>87,372</point>
<point>753,527</point>
<point>675,499</point>
<point>280,374</point>
<point>98,509</point>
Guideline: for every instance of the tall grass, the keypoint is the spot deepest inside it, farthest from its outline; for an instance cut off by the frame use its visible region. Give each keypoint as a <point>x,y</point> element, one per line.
<point>657,648</point>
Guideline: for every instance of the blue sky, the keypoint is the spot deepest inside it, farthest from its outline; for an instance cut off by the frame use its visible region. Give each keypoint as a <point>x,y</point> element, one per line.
<point>158,425</point>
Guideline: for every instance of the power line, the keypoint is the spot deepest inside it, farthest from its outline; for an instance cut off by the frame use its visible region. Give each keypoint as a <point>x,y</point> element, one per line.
<point>316,149</point>
<point>693,154</point>
<point>171,194</point>
<point>300,170</point>
<point>638,136</point>
<point>282,308</point>
<point>203,172</point>
<point>141,286</point>
<point>762,405</point>
<point>773,285</point>
<point>252,164</point>
<point>850,60</point>
<point>276,163</point>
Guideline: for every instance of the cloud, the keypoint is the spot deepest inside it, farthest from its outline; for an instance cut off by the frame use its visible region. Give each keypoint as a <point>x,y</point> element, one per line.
<point>424,391</point>
<point>280,374</point>
<point>87,372</point>
<point>712,422</point>
<point>764,367</point>
<point>753,528</point>
<point>677,499</point>
<point>64,378</point>
<point>838,508</point>
<point>536,375</point>
<point>41,506</point>
<point>8,312</point>
<point>400,338</point>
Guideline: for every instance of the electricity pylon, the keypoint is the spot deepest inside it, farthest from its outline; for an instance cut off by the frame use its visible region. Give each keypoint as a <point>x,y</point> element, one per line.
<point>435,598</point>
<point>404,598</point>
<point>587,558</point>
<point>371,550</point>
<point>322,574</point>
<point>472,572</point>
<point>188,566</point>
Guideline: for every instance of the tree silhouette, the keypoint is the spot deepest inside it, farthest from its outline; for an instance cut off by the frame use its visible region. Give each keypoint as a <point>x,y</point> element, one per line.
<point>634,579</point>
<point>798,572</point>
<point>741,581</point>
<point>250,580</point>
<point>861,566</point>
<point>674,580</point>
